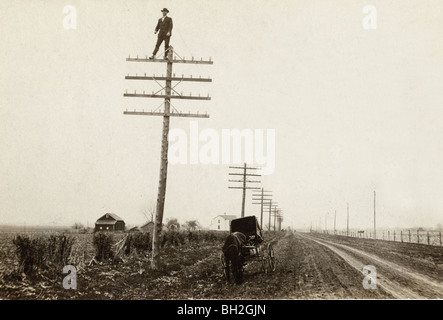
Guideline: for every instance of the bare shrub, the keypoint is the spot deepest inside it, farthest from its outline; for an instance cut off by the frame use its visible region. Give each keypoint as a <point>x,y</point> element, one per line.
<point>102,242</point>
<point>45,252</point>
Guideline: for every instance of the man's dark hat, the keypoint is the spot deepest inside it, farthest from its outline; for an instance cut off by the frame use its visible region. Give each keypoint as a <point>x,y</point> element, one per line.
<point>164,9</point>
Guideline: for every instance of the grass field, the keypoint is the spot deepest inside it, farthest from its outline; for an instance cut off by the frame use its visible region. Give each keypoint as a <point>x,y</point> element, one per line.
<point>118,278</point>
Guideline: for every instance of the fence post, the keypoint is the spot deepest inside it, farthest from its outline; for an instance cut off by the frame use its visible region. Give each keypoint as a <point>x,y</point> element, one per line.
<point>401,235</point>
<point>428,239</point>
<point>389,236</point>
<point>409,235</point>
<point>394,235</point>
<point>418,236</point>
<point>440,238</point>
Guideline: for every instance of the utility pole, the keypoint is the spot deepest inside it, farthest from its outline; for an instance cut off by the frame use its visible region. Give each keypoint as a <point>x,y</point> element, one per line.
<point>169,93</point>
<point>261,196</point>
<point>335,219</point>
<point>326,222</point>
<point>347,222</point>
<point>275,215</point>
<point>375,232</point>
<point>280,220</point>
<point>271,205</point>
<point>244,182</point>
<point>278,216</point>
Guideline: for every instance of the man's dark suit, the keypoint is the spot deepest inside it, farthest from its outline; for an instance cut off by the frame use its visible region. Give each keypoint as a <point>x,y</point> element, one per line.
<point>164,26</point>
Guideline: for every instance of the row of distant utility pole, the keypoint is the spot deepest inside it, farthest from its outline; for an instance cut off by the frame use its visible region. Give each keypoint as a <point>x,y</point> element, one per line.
<point>347,221</point>
<point>259,196</point>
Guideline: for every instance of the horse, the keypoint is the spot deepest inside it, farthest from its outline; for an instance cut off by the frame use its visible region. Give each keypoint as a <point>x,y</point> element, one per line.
<point>232,251</point>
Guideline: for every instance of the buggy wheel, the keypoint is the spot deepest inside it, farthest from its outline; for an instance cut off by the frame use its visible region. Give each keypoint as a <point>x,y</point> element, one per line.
<point>263,264</point>
<point>262,259</point>
<point>222,259</point>
<point>271,258</point>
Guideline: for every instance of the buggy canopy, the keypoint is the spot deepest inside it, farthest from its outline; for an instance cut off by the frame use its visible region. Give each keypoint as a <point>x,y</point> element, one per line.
<point>249,227</point>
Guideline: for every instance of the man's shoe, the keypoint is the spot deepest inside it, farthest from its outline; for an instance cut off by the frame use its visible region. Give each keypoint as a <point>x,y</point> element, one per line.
<point>152,57</point>
<point>165,58</point>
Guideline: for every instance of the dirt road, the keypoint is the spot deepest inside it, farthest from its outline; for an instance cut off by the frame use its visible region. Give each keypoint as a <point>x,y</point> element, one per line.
<point>306,269</point>
<point>401,274</point>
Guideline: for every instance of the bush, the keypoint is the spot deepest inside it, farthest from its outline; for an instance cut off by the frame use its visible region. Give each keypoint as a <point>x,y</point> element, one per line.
<point>172,238</point>
<point>138,242</point>
<point>59,248</point>
<point>102,242</point>
<point>42,253</point>
<point>193,237</point>
<point>178,238</point>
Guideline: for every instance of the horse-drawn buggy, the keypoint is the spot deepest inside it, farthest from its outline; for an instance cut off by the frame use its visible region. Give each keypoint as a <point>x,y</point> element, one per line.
<point>244,244</point>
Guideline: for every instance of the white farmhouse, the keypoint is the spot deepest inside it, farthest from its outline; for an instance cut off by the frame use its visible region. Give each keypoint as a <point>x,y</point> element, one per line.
<point>221,222</point>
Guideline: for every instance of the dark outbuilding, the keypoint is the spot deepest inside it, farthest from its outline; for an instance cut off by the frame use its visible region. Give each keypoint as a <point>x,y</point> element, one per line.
<point>110,222</point>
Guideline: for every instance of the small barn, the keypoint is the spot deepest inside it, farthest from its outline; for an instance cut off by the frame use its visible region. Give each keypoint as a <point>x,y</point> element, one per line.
<point>147,227</point>
<point>109,222</point>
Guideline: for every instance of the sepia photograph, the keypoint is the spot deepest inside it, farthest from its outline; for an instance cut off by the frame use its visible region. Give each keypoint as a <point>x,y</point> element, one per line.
<point>226,155</point>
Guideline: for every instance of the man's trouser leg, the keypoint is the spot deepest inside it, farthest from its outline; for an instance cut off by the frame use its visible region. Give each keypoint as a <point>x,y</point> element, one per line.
<point>157,45</point>
<point>167,46</point>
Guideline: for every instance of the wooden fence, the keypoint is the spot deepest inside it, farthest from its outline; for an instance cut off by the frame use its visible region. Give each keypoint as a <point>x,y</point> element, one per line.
<point>432,238</point>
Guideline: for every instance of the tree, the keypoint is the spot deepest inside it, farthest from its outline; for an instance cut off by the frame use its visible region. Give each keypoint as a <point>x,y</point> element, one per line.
<point>173,224</point>
<point>149,212</point>
<point>78,226</point>
<point>192,225</point>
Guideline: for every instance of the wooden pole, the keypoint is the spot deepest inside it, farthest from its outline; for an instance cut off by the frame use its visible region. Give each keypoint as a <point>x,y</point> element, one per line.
<point>335,219</point>
<point>375,232</point>
<point>326,223</point>
<point>155,262</point>
<point>244,192</point>
<point>270,208</point>
<point>275,216</point>
<point>261,208</point>
<point>244,182</point>
<point>428,239</point>
<point>347,222</point>
<point>440,238</point>
<point>158,221</point>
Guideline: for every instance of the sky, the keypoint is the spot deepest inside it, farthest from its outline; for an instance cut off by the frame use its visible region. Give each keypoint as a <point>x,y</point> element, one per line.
<point>354,110</point>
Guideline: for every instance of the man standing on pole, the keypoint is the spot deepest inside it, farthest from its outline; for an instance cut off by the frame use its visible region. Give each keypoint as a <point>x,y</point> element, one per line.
<point>164,25</point>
